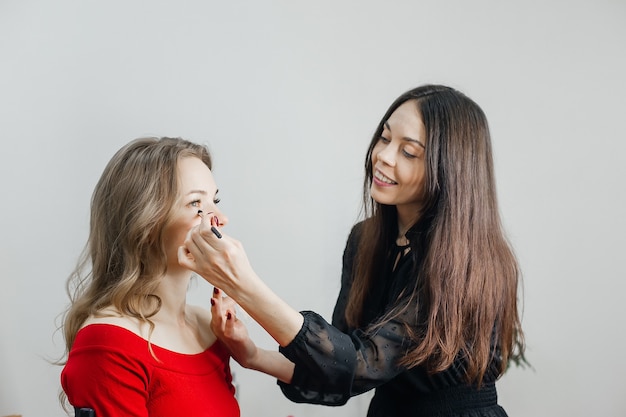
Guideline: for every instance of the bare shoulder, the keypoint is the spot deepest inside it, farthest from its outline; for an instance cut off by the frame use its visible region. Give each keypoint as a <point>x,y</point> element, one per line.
<point>111,316</point>
<point>201,315</point>
<point>202,318</point>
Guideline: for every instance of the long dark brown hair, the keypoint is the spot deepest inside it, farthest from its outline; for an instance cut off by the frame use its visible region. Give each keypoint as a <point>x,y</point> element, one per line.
<point>466,282</point>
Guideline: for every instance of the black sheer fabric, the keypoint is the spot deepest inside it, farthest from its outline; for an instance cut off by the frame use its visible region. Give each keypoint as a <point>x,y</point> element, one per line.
<point>334,362</point>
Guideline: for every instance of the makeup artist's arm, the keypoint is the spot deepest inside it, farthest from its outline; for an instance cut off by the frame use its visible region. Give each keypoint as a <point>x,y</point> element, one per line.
<point>273,363</point>
<point>224,263</point>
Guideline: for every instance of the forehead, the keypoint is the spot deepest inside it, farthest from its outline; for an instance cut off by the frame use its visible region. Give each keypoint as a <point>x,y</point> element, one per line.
<point>406,123</point>
<point>194,174</point>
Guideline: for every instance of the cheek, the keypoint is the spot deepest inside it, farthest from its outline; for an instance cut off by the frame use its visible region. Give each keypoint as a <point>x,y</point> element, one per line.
<point>175,233</point>
<point>376,150</point>
<point>420,179</point>
<point>416,179</point>
<point>374,157</point>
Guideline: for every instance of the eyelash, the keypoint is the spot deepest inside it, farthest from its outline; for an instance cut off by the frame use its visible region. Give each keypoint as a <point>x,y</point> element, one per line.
<point>196,203</point>
<point>405,153</point>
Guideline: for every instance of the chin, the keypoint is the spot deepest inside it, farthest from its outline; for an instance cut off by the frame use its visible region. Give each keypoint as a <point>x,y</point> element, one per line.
<point>381,199</point>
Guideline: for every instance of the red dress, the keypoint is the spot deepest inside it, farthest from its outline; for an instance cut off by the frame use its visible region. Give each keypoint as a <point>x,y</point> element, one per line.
<point>112,370</point>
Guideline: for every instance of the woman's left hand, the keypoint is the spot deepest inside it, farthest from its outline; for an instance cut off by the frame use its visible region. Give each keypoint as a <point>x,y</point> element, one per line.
<point>231,330</point>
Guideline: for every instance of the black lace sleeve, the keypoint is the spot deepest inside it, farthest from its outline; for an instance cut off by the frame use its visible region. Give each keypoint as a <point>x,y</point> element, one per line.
<point>349,253</point>
<point>333,365</point>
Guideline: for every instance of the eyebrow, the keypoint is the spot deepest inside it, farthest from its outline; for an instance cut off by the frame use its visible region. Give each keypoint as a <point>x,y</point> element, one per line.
<point>203,192</point>
<point>407,138</point>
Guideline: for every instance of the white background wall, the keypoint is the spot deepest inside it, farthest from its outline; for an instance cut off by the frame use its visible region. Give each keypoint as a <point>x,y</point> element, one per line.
<point>287,94</point>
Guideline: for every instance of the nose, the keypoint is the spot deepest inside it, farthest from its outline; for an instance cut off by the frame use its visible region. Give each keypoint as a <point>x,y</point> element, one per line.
<point>387,156</point>
<point>223,219</point>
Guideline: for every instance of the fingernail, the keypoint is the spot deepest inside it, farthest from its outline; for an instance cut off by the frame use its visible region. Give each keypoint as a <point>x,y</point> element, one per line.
<point>228,316</point>
<point>216,290</point>
<point>212,302</point>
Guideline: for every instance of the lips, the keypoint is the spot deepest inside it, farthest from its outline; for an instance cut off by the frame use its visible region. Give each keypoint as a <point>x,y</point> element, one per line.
<point>383,178</point>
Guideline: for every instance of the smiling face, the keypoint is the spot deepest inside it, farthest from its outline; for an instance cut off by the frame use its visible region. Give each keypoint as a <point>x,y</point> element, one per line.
<point>398,163</point>
<point>196,191</point>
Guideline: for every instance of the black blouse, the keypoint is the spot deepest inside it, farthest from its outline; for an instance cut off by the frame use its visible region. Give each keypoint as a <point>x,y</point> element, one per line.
<point>335,362</point>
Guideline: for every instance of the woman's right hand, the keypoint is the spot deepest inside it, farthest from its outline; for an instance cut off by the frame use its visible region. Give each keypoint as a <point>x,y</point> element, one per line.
<point>233,333</point>
<point>221,261</point>
<point>230,330</point>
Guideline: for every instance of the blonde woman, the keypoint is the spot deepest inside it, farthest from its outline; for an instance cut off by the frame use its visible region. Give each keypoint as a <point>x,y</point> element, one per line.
<point>136,348</point>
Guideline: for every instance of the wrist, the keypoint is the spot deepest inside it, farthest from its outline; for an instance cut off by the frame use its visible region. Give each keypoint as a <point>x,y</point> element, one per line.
<point>254,362</point>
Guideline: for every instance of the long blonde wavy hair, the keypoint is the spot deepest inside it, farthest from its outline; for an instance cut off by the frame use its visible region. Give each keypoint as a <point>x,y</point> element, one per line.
<point>125,257</point>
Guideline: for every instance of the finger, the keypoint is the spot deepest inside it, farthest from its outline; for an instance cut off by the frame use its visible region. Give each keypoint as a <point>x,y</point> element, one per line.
<point>229,325</point>
<point>222,296</point>
<point>207,229</point>
<point>215,222</point>
<point>207,236</point>
<point>223,306</point>
<point>194,241</point>
<point>218,315</point>
<point>228,302</point>
<point>185,258</point>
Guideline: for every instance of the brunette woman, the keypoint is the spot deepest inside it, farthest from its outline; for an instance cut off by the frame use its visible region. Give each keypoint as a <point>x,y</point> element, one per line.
<point>427,314</point>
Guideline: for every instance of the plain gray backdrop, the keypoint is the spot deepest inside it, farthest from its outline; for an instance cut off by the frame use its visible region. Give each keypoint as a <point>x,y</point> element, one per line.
<point>287,94</point>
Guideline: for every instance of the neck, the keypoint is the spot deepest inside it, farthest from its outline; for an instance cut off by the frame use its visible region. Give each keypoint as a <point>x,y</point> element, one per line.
<point>407,217</point>
<point>401,240</point>
<point>404,227</point>
<point>172,291</point>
